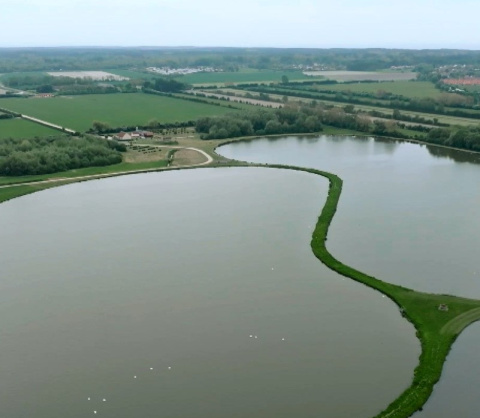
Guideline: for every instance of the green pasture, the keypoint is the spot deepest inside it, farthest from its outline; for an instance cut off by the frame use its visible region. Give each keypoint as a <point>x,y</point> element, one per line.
<point>87,171</point>
<point>79,112</point>
<point>244,76</point>
<point>411,89</point>
<point>20,128</point>
<point>6,76</point>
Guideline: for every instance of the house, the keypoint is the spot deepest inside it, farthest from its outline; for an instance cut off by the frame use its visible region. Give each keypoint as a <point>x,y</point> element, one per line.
<point>123,136</point>
<point>147,134</point>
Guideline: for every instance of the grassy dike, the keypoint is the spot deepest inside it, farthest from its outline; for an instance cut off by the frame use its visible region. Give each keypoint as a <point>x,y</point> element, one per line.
<point>436,329</point>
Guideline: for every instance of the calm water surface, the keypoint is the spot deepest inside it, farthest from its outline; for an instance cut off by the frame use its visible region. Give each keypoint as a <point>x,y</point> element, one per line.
<point>200,283</point>
<point>456,394</point>
<point>408,213</point>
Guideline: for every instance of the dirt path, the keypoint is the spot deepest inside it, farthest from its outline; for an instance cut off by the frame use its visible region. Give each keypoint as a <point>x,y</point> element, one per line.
<point>208,160</point>
<point>45,123</point>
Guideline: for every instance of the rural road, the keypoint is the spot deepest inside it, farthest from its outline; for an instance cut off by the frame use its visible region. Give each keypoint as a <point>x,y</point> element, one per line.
<point>44,122</point>
<point>118,173</point>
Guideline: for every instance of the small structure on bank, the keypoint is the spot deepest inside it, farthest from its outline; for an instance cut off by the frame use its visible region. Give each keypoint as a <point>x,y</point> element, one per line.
<point>128,136</point>
<point>443,307</point>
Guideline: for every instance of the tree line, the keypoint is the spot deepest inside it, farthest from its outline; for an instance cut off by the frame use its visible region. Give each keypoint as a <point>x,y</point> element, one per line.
<point>465,138</point>
<point>442,106</point>
<point>292,119</point>
<point>19,157</point>
<point>229,59</point>
<point>310,118</point>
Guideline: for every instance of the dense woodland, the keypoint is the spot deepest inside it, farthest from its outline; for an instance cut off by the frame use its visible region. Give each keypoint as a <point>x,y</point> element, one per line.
<point>19,157</point>
<point>55,59</point>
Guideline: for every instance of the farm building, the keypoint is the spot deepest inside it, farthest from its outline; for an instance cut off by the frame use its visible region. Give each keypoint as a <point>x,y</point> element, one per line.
<point>123,136</point>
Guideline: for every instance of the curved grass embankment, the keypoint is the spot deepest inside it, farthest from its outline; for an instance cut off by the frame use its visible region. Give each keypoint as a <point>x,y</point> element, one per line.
<point>436,329</point>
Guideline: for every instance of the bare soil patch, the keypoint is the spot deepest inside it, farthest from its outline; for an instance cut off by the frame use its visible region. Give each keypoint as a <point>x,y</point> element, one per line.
<point>187,157</point>
<point>94,75</point>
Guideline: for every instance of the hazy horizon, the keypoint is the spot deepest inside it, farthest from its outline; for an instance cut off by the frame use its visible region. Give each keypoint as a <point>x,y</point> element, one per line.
<point>411,24</point>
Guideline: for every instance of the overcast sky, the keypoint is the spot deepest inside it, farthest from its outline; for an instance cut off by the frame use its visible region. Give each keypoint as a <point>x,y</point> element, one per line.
<point>244,23</point>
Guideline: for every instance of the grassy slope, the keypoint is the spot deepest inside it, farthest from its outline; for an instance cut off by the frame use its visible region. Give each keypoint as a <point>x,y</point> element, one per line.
<point>88,171</point>
<point>19,128</point>
<point>79,112</point>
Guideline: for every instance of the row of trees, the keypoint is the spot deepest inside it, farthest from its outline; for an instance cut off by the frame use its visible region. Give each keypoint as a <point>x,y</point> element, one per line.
<point>166,85</point>
<point>292,119</point>
<point>19,157</point>
<point>296,118</point>
<point>442,106</point>
<point>464,138</point>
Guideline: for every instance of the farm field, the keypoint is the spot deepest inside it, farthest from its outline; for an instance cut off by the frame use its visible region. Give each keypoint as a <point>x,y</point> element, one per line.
<point>364,75</point>
<point>451,120</point>
<point>133,74</point>
<point>245,76</point>
<point>79,112</point>
<point>19,128</point>
<point>411,89</point>
<point>94,75</point>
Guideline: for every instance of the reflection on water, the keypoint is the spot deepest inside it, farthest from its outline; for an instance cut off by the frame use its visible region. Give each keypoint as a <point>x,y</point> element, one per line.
<point>455,155</point>
<point>456,394</point>
<point>188,294</point>
<point>405,216</point>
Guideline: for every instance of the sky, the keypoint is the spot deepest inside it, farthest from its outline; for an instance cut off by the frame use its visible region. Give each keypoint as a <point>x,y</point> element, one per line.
<point>417,24</point>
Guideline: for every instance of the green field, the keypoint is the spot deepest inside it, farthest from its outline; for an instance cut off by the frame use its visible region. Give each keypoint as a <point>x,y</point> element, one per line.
<point>79,112</point>
<point>244,76</point>
<point>411,89</point>
<point>19,128</point>
<point>6,76</point>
